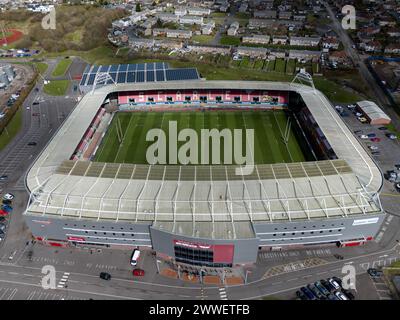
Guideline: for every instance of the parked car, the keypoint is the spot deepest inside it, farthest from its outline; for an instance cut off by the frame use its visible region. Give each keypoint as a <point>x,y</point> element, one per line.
<point>334,284</point>
<point>338,256</point>
<point>35,103</point>
<point>135,257</point>
<point>138,272</point>
<point>2,227</point>
<point>348,294</point>
<point>397,186</point>
<point>358,114</point>
<point>308,293</point>
<point>3,177</point>
<point>32,143</point>
<point>363,136</point>
<point>371,135</point>
<point>321,288</point>
<point>8,196</point>
<point>338,280</point>
<point>391,136</point>
<point>373,147</point>
<point>315,291</point>
<point>382,128</point>
<point>376,153</point>
<point>357,131</point>
<point>341,295</point>
<point>105,276</point>
<point>301,295</point>
<point>375,139</point>
<point>374,273</point>
<point>327,285</point>
<point>332,297</point>
<point>362,119</point>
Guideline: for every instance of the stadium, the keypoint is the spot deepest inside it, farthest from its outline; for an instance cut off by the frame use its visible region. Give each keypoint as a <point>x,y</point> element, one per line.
<point>313,183</point>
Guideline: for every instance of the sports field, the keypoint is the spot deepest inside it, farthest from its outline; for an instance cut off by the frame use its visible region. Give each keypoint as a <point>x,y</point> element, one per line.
<point>269,128</point>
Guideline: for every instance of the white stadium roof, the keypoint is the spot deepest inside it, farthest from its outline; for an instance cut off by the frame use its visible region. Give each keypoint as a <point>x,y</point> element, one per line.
<point>204,201</point>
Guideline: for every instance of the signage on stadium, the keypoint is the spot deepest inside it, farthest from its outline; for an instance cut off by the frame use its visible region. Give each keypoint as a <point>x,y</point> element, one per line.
<point>360,222</point>
<point>192,244</point>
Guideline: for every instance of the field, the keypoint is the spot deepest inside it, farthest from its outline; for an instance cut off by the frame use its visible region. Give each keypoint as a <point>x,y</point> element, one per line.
<point>61,67</point>
<point>268,128</point>
<point>56,87</point>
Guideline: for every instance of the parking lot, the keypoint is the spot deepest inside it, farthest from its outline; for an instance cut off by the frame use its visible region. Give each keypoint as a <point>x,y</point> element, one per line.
<point>384,151</point>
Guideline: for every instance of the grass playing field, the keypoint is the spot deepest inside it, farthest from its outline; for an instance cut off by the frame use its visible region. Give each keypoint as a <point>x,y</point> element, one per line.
<point>268,126</point>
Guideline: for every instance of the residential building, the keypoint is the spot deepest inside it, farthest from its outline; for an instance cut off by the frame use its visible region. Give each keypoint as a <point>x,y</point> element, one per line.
<point>191,20</point>
<point>233,29</point>
<point>256,38</point>
<point>305,41</point>
<point>279,40</point>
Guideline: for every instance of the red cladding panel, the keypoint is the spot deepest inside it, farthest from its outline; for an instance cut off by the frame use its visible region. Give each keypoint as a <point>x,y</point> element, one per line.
<point>223,253</point>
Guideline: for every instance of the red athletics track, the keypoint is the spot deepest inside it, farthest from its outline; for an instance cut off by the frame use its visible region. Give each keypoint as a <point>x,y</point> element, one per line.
<point>16,35</point>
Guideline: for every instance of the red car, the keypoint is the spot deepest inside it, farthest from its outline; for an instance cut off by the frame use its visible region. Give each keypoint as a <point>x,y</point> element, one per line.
<point>375,139</point>
<point>138,272</point>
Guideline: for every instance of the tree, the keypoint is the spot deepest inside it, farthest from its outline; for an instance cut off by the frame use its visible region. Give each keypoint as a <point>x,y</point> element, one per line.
<point>138,7</point>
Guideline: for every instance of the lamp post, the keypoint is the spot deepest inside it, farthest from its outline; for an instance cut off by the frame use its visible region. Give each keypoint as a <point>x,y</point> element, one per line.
<point>158,267</point>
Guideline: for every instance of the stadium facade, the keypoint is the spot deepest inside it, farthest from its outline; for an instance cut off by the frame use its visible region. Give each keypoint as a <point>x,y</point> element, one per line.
<point>205,215</point>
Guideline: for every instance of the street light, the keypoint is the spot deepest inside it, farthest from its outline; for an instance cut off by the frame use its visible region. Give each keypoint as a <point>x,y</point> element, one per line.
<point>158,267</point>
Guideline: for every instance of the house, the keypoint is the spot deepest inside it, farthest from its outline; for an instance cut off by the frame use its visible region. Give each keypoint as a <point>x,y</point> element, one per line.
<point>392,48</point>
<point>307,55</point>
<point>191,20</point>
<point>286,15</point>
<point>243,7</point>
<point>209,49</point>
<point>372,46</point>
<point>172,33</point>
<point>207,29</point>
<point>330,43</point>
<point>279,40</point>
<point>256,38</point>
<point>305,41</point>
<point>180,11</point>
<point>198,11</point>
<point>253,52</point>
<point>339,57</point>
<point>233,29</point>
<point>260,23</point>
<point>373,113</point>
<point>265,14</point>
<point>167,17</point>
<point>393,32</point>
<point>299,17</point>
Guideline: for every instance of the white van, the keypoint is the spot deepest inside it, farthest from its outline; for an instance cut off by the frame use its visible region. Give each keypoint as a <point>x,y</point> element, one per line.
<point>135,257</point>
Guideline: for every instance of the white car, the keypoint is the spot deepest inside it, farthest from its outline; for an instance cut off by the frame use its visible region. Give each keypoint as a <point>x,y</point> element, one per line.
<point>373,147</point>
<point>135,257</point>
<point>358,114</point>
<point>334,284</point>
<point>363,136</point>
<point>8,196</point>
<point>341,296</point>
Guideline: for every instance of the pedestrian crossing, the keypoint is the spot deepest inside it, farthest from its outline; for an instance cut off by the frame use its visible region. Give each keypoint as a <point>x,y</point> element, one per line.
<point>63,282</point>
<point>222,293</point>
<point>12,293</point>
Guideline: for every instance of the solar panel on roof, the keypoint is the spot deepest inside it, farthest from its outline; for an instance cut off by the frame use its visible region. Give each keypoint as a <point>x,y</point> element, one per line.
<point>130,77</point>
<point>95,68</point>
<point>123,67</point>
<point>181,74</point>
<point>104,68</point>
<point>160,65</point>
<point>121,77</point>
<point>140,67</point>
<point>83,80</point>
<point>114,68</point>
<point>140,76</point>
<point>150,76</point>
<point>132,67</point>
<point>91,79</point>
<point>149,66</point>
<point>160,75</point>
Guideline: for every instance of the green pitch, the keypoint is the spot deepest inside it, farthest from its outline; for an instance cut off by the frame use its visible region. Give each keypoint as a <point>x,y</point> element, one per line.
<point>269,127</point>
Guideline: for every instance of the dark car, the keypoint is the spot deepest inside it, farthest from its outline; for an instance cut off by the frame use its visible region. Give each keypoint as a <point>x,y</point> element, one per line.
<point>105,276</point>
<point>35,103</point>
<point>332,297</point>
<point>301,295</point>
<point>315,291</point>
<point>374,272</point>
<point>32,143</point>
<point>308,293</point>
<point>321,288</point>
<point>327,285</point>
<point>338,256</point>
<point>3,177</point>
<point>382,128</point>
<point>2,227</point>
<point>358,131</point>
<point>338,280</point>
<point>371,135</point>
